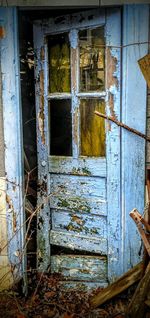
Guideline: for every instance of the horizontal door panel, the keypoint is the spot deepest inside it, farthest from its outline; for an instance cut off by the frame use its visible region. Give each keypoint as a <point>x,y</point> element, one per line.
<point>80,267</point>
<point>77,223</point>
<point>77,204</point>
<point>72,186</point>
<point>79,242</point>
<point>67,22</point>
<point>80,166</point>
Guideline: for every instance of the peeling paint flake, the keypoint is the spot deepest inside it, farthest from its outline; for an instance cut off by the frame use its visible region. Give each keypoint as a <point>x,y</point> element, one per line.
<point>112,80</point>
<point>2,32</point>
<point>41,116</point>
<point>42,54</point>
<point>80,267</point>
<point>112,69</point>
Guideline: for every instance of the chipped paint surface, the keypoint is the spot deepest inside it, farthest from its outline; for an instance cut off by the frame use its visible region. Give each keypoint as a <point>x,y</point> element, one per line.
<point>13,140</point>
<point>78,185</point>
<point>41,115</point>
<point>77,223</point>
<point>86,268</point>
<point>43,226</point>
<point>79,242</point>
<point>2,32</point>
<point>79,166</point>
<point>113,37</point>
<point>112,79</point>
<point>85,193</point>
<point>111,104</point>
<point>134,93</point>
<point>112,62</point>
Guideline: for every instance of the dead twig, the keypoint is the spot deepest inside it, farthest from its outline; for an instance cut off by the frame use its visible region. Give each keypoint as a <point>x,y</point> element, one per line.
<point>120,124</point>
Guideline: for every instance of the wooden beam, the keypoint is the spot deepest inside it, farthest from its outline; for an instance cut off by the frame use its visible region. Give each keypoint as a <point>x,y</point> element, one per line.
<point>121,284</point>
<point>137,307</point>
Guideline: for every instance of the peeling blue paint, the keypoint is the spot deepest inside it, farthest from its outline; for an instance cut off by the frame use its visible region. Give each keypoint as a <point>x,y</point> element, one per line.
<point>86,194</point>
<point>73,36</point>
<point>12,115</point>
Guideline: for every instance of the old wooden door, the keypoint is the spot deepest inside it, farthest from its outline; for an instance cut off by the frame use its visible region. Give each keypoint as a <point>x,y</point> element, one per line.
<point>77,72</point>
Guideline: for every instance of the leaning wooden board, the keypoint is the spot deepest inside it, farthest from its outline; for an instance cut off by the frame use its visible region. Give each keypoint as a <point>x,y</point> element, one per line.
<point>121,284</point>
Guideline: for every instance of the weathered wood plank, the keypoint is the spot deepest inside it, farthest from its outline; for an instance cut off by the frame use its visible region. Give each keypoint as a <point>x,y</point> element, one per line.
<point>67,22</point>
<point>36,4</point>
<point>78,194</point>
<point>78,186</point>
<point>77,204</point>
<point>77,223</point>
<point>121,284</point>
<point>85,166</point>
<point>134,115</point>
<point>80,267</point>
<point>113,59</point>
<point>137,306</point>
<point>79,242</point>
<point>41,88</point>
<point>12,114</point>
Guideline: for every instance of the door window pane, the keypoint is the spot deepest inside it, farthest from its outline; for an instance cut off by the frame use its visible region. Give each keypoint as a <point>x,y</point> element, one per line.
<point>92,55</point>
<point>92,128</point>
<point>59,63</point>
<point>60,127</point>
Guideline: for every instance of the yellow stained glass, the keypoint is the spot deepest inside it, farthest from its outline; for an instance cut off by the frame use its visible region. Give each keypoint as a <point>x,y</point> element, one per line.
<point>92,128</point>
<point>59,63</point>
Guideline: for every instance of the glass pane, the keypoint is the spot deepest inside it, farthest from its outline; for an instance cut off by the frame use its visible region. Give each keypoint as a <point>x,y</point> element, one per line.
<point>92,57</point>
<point>59,63</point>
<point>60,127</point>
<point>92,128</point>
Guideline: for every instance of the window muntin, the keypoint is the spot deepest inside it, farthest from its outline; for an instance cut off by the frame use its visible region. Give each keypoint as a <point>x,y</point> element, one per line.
<point>91,54</point>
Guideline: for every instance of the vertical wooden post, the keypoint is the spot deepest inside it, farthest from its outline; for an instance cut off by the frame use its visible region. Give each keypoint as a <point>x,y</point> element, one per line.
<point>135,29</point>
<point>12,115</point>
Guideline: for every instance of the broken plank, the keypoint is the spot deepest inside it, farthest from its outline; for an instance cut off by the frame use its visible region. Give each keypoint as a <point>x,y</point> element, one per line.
<point>79,242</point>
<point>121,284</point>
<point>136,307</point>
<point>80,267</point>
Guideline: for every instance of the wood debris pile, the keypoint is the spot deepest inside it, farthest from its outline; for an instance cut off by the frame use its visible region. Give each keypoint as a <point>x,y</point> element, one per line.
<point>139,306</point>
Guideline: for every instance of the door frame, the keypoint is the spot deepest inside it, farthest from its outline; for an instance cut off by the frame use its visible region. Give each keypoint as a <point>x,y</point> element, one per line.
<point>13,152</point>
